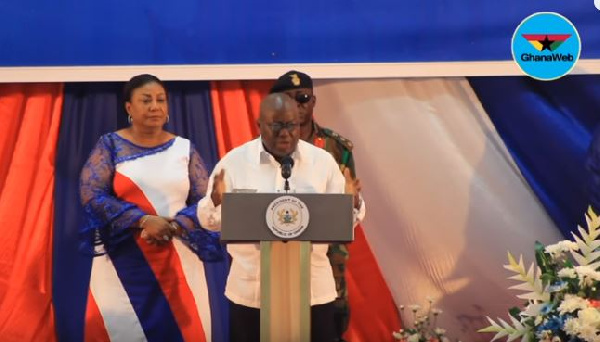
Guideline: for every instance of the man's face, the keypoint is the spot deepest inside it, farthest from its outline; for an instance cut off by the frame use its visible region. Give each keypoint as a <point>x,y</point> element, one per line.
<point>306,103</point>
<point>280,130</point>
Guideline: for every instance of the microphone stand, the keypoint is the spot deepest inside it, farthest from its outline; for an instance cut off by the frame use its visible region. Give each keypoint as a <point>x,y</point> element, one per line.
<point>286,171</point>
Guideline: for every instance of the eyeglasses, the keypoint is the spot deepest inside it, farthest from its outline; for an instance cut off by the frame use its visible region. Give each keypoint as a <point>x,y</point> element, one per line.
<point>303,98</point>
<point>278,126</point>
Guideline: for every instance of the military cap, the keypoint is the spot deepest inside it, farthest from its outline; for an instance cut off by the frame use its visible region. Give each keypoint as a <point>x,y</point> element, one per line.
<point>291,80</point>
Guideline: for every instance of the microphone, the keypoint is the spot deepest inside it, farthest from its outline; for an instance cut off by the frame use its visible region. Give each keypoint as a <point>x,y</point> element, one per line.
<point>287,163</point>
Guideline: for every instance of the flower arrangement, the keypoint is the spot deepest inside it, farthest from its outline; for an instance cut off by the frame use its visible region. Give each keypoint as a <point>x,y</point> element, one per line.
<point>424,328</point>
<point>562,292</point>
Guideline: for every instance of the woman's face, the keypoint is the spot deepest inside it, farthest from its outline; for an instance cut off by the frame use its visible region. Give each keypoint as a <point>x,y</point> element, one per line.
<point>148,106</point>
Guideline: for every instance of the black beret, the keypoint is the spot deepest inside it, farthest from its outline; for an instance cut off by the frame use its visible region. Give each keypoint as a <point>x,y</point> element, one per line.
<point>291,80</point>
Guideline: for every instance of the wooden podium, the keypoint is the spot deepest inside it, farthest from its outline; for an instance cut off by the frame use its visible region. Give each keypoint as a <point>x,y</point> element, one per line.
<point>296,220</point>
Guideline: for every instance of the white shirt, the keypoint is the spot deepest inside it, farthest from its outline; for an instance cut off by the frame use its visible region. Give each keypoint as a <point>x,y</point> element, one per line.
<point>251,167</point>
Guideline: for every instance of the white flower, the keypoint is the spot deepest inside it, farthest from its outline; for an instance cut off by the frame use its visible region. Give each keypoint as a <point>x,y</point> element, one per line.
<point>588,333</point>
<point>436,312</point>
<point>587,275</point>
<point>589,316</point>
<point>533,309</point>
<point>572,326</point>
<point>569,245</point>
<point>587,271</point>
<point>538,320</point>
<point>553,249</point>
<point>545,335</point>
<point>572,303</point>
<point>413,338</point>
<point>414,307</point>
<point>561,247</point>
<point>567,273</point>
<point>440,331</point>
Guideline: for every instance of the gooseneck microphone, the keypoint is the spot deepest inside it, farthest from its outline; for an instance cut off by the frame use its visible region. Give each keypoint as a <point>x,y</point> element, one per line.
<point>287,163</point>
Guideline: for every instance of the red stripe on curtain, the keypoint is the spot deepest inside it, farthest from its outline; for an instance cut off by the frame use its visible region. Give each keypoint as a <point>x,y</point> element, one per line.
<point>29,124</point>
<point>374,315</point>
<point>235,109</point>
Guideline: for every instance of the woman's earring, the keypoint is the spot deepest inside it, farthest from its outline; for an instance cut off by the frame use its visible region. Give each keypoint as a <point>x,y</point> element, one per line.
<point>130,119</point>
<point>167,118</point>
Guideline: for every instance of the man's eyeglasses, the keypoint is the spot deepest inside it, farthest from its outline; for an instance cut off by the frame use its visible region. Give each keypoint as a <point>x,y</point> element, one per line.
<point>303,98</point>
<point>278,126</point>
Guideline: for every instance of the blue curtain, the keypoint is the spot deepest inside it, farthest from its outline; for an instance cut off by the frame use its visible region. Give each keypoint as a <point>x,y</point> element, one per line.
<point>547,127</point>
<point>90,110</point>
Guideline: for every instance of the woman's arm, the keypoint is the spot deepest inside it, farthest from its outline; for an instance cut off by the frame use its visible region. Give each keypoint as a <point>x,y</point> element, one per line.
<point>203,242</point>
<point>107,219</point>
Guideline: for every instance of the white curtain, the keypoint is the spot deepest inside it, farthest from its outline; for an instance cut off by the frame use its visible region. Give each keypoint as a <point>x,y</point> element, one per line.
<point>445,200</point>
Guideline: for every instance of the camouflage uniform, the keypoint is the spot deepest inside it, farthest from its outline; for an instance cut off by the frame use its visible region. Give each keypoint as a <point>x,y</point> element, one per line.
<point>341,149</point>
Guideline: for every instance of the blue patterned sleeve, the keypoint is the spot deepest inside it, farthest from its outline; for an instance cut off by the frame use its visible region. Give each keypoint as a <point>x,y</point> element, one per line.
<point>107,219</point>
<point>206,244</point>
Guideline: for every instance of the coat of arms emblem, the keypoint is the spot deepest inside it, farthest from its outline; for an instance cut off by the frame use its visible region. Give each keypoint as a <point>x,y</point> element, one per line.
<point>287,217</point>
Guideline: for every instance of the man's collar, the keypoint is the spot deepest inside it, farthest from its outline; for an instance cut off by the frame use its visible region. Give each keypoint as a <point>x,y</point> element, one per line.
<point>316,132</point>
<point>265,157</point>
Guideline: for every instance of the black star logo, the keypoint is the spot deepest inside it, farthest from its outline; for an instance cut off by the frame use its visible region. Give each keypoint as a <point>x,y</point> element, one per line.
<point>546,44</point>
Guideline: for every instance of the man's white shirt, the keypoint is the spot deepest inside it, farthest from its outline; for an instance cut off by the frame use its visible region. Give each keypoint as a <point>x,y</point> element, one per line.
<point>250,167</point>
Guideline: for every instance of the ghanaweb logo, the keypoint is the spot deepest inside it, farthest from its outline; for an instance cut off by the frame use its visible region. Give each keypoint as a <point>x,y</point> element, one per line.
<point>546,46</point>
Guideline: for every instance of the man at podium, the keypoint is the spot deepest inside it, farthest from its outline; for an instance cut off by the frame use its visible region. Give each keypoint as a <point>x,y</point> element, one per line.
<point>256,166</point>
<point>299,86</point>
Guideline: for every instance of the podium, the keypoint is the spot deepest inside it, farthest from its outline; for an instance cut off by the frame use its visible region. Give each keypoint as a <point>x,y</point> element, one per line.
<point>285,225</point>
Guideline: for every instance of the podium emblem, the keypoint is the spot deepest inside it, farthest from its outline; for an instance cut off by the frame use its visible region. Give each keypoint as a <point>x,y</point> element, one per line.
<point>287,217</point>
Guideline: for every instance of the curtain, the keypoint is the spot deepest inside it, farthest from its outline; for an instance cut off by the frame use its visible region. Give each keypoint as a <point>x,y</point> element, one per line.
<point>29,123</point>
<point>547,127</point>
<point>236,109</point>
<point>92,109</point>
<point>445,200</point>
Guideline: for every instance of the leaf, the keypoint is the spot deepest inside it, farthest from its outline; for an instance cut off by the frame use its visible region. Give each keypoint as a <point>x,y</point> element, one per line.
<point>504,329</point>
<point>593,256</point>
<point>514,311</point>
<point>542,259</point>
<point>580,259</point>
<point>490,329</point>
<point>511,260</point>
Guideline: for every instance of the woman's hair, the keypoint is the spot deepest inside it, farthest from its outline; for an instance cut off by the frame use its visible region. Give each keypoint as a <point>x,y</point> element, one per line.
<point>137,82</point>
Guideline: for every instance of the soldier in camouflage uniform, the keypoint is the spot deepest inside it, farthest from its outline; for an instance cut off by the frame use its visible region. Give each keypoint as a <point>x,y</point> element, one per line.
<point>299,87</point>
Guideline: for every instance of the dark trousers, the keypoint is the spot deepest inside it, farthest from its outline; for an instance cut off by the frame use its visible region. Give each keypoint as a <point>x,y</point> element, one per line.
<point>244,324</point>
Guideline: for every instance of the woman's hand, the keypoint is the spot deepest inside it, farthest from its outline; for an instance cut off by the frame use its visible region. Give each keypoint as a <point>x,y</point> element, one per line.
<point>156,230</point>
<point>176,228</point>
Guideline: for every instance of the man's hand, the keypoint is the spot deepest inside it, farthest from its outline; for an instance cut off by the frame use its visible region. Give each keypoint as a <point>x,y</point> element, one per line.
<point>353,187</point>
<point>218,188</point>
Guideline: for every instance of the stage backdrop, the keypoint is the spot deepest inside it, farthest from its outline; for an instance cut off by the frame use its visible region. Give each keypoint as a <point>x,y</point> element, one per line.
<point>446,198</point>
<point>155,32</point>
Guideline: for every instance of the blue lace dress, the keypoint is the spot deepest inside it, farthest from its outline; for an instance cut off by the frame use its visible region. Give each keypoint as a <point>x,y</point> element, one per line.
<point>138,291</point>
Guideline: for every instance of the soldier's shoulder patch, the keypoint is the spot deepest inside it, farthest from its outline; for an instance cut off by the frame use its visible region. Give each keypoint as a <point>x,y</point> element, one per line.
<point>346,143</point>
